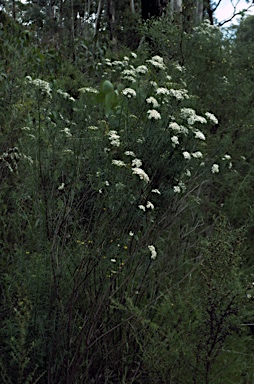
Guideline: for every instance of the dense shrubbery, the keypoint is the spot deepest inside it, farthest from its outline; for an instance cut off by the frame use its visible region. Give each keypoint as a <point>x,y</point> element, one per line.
<point>123,259</point>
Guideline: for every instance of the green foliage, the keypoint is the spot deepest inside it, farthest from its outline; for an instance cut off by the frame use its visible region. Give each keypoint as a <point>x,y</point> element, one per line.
<point>113,174</point>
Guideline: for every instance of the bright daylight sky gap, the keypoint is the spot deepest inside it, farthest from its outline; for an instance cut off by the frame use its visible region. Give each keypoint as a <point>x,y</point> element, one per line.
<point>225,10</point>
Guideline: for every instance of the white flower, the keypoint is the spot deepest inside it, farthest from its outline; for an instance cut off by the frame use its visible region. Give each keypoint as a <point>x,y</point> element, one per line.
<point>106,183</point>
<point>42,85</point>
<point>142,207</point>
<point>188,172</point>
<point>156,191</point>
<point>200,119</point>
<point>134,55</point>
<point>186,155</point>
<point>136,163</point>
<point>129,92</point>
<point>61,187</point>
<point>88,90</point>
<point>190,115</point>
<point>197,155</point>
<point>67,132</point>
<point>177,189</point>
<point>154,84</point>
<point>179,94</point>
<point>153,114</point>
<point>114,138</point>
<point>113,260</point>
<point>153,252</point>
<point>130,78</point>
<point>162,91</point>
<point>149,205</point>
<point>129,153</point>
<point>157,62</point>
<point>118,63</point>
<point>118,163</point>
<point>65,95</point>
<point>158,59</point>
<point>215,168</point>
<point>226,157</point>
<point>179,67</point>
<point>174,140</point>
<point>199,135</point>
<point>142,69</point>
<point>93,128</point>
<point>131,233</point>
<point>211,117</point>
<point>141,174</point>
<point>128,72</point>
<point>175,127</point>
<point>153,101</point>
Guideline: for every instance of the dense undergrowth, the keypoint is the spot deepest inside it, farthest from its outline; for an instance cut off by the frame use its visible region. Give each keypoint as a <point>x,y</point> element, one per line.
<point>126,212</point>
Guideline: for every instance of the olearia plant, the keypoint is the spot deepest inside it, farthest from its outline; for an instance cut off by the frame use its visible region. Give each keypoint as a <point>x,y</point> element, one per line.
<point>112,206</point>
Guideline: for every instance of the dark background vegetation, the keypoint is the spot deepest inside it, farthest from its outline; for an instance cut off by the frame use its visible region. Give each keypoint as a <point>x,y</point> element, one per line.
<point>81,299</point>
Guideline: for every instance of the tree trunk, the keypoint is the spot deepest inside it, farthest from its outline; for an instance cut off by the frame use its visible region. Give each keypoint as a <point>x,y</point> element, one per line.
<point>176,6</point>
<point>98,15</point>
<point>199,11</point>
<point>132,6</point>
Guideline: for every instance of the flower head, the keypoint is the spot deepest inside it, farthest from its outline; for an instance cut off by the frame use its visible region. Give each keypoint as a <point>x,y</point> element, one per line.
<point>118,163</point>
<point>174,140</point>
<point>215,168</point>
<point>136,163</point>
<point>186,155</point>
<point>142,69</point>
<point>197,155</point>
<point>142,175</point>
<point>199,135</point>
<point>153,252</point>
<point>153,101</point>
<point>129,92</point>
<point>211,117</point>
<point>153,114</point>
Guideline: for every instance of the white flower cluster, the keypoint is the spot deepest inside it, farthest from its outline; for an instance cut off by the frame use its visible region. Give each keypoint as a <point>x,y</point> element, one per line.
<point>88,90</point>
<point>67,132</point>
<point>211,117</point>
<point>153,114</point>
<point>153,101</point>
<point>190,115</point>
<point>215,168</point>
<point>157,62</point>
<point>129,92</point>
<point>42,85</point>
<point>118,163</point>
<point>178,128</point>
<point>179,94</point>
<point>142,69</point>
<point>141,173</point>
<point>114,138</point>
<point>153,252</point>
<point>65,95</point>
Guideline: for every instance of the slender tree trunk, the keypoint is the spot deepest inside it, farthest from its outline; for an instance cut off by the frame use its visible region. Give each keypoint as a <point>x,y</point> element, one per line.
<point>98,15</point>
<point>132,6</point>
<point>176,6</point>
<point>199,11</point>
